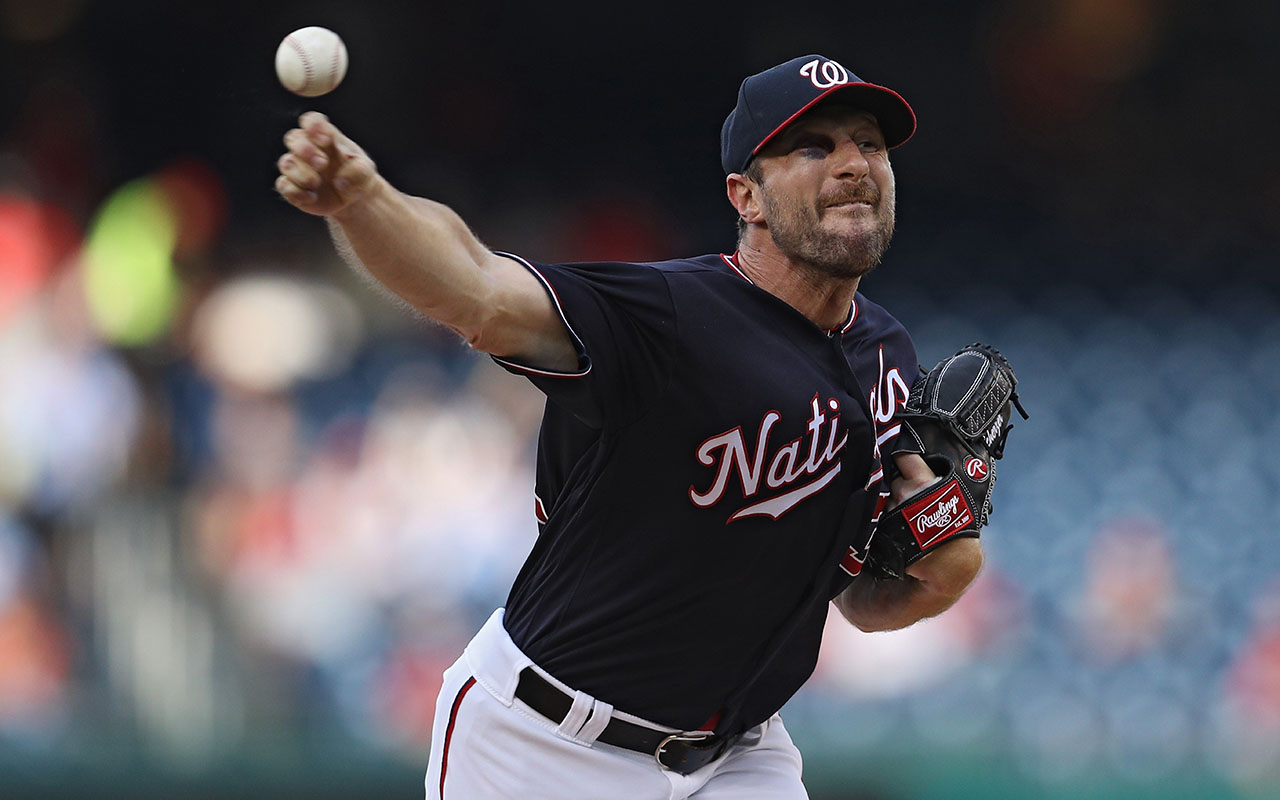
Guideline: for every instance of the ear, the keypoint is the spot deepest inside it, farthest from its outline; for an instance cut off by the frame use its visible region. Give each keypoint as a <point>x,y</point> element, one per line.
<point>744,196</point>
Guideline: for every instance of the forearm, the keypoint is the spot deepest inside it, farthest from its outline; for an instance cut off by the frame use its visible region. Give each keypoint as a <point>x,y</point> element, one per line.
<point>420,250</point>
<point>932,585</point>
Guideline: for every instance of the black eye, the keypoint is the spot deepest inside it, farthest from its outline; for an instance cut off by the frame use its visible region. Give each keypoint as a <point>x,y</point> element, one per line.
<point>812,147</point>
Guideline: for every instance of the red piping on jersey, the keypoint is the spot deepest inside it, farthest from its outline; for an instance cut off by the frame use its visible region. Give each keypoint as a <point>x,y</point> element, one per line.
<point>448,734</point>
<point>850,563</point>
<point>888,433</point>
<point>732,261</point>
<point>555,300</point>
<point>791,499</point>
<point>853,316</point>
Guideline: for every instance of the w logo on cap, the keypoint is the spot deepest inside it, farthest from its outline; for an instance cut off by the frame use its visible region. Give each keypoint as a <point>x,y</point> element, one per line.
<point>825,74</point>
<point>771,100</point>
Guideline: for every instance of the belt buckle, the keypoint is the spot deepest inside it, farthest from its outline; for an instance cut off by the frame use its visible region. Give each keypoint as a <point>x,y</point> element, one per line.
<point>690,738</point>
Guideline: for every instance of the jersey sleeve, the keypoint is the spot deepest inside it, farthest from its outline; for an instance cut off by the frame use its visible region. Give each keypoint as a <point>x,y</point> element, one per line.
<point>621,320</point>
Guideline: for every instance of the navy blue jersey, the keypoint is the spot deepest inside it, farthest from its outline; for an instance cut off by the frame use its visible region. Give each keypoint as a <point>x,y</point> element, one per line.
<point>706,481</point>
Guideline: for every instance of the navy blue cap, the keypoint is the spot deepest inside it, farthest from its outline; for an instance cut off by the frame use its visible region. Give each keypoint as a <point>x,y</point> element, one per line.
<point>773,99</point>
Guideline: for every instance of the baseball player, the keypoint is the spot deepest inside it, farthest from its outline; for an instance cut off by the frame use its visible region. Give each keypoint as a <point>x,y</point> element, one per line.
<point>709,464</point>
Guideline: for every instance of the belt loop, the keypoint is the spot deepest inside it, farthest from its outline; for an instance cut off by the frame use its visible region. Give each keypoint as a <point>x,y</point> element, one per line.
<point>494,659</point>
<point>601,713</point>
<point>577,715</point>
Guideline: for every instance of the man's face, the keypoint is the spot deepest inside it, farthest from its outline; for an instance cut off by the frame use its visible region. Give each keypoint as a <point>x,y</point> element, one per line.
<point>827,192</point>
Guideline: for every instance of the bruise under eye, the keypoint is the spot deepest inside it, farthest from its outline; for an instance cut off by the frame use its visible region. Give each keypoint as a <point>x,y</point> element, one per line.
<point>806,141</point>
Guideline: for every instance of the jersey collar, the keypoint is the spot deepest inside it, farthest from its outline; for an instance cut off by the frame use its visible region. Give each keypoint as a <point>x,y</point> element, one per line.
<point>736,266</point>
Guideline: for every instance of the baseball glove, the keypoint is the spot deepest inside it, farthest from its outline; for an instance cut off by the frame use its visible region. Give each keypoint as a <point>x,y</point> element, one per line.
<point>957,419</point>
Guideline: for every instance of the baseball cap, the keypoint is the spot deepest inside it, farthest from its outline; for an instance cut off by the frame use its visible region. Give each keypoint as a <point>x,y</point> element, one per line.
<point>771,100</point>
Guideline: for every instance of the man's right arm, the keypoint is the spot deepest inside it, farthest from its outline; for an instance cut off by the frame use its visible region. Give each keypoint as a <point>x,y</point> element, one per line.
<point>422,250</point>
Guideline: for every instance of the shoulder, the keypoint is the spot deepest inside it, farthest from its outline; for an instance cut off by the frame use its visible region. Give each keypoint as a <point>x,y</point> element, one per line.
<point>875,330</point>
<point>613,279</point>
<point>605,272</point>
<point>710,264</point>
<point>699,275</point>
<point>872,319</point>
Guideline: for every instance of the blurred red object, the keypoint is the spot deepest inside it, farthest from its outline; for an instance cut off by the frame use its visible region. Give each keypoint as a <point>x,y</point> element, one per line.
<point>34,239</point>
<point>1131,589</point>
<point>34,664</point>
<point>199,199</point>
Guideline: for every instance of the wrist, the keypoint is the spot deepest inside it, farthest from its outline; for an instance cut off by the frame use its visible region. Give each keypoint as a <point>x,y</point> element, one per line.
<point>950,567</point>
<point>374,194</point>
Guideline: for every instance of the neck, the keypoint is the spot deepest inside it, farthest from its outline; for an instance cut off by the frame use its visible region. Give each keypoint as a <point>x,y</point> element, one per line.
<point>822,297</point>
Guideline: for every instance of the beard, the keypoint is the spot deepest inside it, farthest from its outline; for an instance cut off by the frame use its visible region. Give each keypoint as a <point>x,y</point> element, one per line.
<point>798,232</point>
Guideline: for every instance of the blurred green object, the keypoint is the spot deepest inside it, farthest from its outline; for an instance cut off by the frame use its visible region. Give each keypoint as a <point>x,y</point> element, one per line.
<point>344,769</point>
<point>129,278</point>
<point>916,771</point>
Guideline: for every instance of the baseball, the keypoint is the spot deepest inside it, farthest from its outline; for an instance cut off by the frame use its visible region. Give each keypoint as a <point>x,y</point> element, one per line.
<point>311,61</point>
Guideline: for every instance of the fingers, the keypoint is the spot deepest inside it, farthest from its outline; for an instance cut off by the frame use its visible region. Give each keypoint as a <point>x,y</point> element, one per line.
<point>294,193</point>
<point>306,150</point>
<point>322,170</point>
<point>913,468</point>
<point>915,475</point>
<point>300,180</point>
<point>325,136</point>
<point>319,129</point>
<point>301,173</point>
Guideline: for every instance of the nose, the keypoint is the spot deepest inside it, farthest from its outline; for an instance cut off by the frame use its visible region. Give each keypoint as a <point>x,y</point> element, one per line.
<point>850,162</point>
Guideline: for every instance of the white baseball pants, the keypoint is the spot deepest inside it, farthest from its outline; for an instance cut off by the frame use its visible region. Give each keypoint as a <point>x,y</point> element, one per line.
<point>488,745</point>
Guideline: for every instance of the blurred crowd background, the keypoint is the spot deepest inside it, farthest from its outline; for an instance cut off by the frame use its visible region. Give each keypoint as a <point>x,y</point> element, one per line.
<point>250,508</point>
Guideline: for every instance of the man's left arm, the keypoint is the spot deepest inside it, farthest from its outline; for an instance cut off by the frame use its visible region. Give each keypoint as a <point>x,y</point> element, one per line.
<point>932,585</point>
<point>925,552</point>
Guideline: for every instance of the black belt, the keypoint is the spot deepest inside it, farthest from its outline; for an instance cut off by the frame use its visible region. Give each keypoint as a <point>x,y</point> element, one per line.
<point>679,752</point>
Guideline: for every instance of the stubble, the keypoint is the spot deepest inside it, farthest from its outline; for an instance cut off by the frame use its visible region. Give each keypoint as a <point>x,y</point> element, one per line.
<point>798,232</point>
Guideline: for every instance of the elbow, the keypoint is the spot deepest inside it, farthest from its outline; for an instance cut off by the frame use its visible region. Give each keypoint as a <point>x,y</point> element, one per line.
<point>884,619</point>
<point>489,337</point>
<point>862,616</point>
<point>483,331</point>
<point>490,325</point>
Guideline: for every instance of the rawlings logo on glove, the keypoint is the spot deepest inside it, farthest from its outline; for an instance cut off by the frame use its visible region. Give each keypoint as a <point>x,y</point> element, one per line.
<point>957,420</point>
<point>938,516</point>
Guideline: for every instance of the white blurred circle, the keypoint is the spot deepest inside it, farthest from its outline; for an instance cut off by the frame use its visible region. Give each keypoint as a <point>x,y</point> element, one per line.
<point>266,332</point>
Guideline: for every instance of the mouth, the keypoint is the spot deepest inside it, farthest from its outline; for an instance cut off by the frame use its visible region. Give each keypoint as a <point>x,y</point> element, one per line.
<point>849,205</point>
